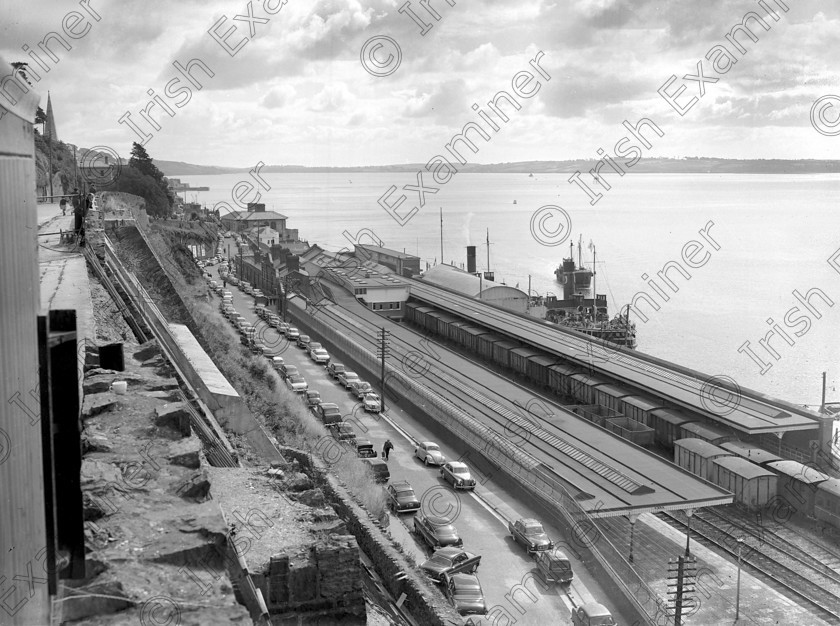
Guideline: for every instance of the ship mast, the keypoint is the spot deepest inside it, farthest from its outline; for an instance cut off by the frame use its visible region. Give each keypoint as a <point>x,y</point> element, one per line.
<point>488,250</point>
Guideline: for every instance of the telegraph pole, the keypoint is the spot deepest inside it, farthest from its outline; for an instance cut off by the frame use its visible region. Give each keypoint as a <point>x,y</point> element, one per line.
<point>383,351</point>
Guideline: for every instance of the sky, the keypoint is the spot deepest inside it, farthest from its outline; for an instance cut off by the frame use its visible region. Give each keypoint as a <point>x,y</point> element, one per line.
<point>296,83</point>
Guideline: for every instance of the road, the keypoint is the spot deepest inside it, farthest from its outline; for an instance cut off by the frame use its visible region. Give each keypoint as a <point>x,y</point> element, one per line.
<point>480,518</point>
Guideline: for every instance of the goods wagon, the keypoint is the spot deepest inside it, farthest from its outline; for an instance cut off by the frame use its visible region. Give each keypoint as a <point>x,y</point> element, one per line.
<point>707,432</point>
<point>519,360</point>
<point>501,352</point>
<point>538,368</point>
<point>827,502</point>
<point>696,456</point>
<point>469,337</point>
<point>418,315</point>
<point>430,321</point>
<point>560,378</point>
<point>486,343</point>
<point>454,331</point>
<point>639,407</point>
<point>443,322</point>
<point>611,395</point>
<point>666,423</point>
<point>410,311</point>
<point>581,387</point>
<point>595,413</point>
<point>750,452</point>
<point>630,429</point>
<point>754,486</point>
<point>797,484</point>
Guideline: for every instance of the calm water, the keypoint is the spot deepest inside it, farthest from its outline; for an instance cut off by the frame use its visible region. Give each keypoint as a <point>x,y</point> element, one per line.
<point>775,235</point>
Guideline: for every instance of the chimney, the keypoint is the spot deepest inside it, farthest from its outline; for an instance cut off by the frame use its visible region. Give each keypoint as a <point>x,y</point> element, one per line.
<point>471,259</point>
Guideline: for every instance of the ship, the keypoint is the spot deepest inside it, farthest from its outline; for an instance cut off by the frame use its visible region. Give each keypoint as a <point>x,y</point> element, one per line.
<point>580,311</point>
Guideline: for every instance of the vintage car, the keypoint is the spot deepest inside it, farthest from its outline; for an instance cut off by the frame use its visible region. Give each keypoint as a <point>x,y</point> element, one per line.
<point>359,388</point>
<point>320,356</point>
<point>364,449</point>
<point>430,453</point>
<point>302,341</point>
<point>436,532</point>
<point>329,413</point>
<point>334,369</point>
<point>530,533</point>
<point>346,378</point>
<point>372,403</point>
<point>458,475</point>
<point>343,432</point>
<point>297,383</point>
<point>378,469</point>
<point>313,398</point>
<point>554,566</point>
<point>401,497</point>
<point>592,614</point>
<point>464,591</point>
<point>450,560</point>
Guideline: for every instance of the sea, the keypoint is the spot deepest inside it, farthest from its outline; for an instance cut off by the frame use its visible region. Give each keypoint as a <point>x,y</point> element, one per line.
<point>764,239</point>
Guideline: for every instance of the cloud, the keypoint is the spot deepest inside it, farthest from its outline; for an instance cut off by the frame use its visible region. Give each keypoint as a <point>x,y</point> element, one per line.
<point>278,97</point>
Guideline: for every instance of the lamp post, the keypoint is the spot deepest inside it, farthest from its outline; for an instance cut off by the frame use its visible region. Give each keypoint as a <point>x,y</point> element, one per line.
<point>738,584</point>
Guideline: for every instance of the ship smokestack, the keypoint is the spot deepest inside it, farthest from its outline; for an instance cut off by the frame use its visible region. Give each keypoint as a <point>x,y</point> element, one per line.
<point>471,259</point>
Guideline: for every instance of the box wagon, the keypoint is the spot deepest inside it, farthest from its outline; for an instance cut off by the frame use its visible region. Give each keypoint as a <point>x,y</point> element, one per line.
<point>485,345</point>
<point>666,424</point>
<point>797,484</point>
<point>538,368</point>
<point>638,407</point>
<point>827,502</point>
<point>430,321</point>
<point>754,486</point>
<point>706,432</point>
<point>611,395</point>
<point>750,452</point>
<point>471,336</point>
<point>696,456</point>
<point>560,378</point>
<point>581,387</point>
<point>630,429</point>
<point>444,320</point>
<point>501,352</point>
<point>519,359</point>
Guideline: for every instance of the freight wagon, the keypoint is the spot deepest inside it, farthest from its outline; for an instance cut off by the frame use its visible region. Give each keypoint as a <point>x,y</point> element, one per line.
<point>797,484</point>
<point>750,452</point>
<point>520,360</point>
<point>696,456</point>
<point>706,432</point>
<point>611,395</point>
<point>754,486</point>
<point>827,502</point>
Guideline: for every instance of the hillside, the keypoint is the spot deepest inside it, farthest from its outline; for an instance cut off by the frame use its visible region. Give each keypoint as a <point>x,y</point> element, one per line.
<point>691,165</point>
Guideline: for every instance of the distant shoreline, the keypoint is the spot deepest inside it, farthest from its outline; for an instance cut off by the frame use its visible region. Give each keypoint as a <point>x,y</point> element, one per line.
<point>699,165</point>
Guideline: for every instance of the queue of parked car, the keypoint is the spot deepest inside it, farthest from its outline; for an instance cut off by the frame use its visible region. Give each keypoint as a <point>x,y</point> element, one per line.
<point>450,564</point>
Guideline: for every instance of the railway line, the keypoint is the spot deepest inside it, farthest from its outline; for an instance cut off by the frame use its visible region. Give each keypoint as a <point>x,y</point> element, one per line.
<point>775,565</point>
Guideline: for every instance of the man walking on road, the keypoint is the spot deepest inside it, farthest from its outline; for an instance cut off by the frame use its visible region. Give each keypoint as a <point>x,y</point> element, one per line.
<point>386,449</point>
<point>63,205</point>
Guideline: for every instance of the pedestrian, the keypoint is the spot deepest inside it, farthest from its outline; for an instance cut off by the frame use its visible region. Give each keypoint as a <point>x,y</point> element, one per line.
<point>386,449</point>
<point>63,205</point>
<point>78,211</point>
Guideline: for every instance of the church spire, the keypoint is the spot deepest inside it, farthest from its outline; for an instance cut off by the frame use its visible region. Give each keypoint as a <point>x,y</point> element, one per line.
<point>49,130</point>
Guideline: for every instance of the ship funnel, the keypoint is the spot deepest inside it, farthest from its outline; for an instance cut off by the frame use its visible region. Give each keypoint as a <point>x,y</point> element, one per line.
<point>471,259</point>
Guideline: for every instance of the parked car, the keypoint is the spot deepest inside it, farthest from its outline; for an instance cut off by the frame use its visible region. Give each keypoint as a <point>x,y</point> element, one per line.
<point>372,403</point>
<point>437,532</point>
<point>283,327</point>
<point>554,566</point>
<point>297,383</point>
<point>465,593</point>
<point>401,497</point>
<point>257,348</point>
<point>359,388</point>
<point>277,363</point>
<point>289,370</point>
<point>378,469</point>
<point>329,413</point>
<point>450,561</point>
<point>313,345</point>
<point>260,311</point>
<point>343,432</point>
<point>364,449</point>
<point>313,398</point>
<point>292,333</point>
<point>274,320</point>
<point>531,534</point>
<point>334,369</point>
<point>320,355</point>
<point>592,614</point>
<point>430,453</point>
<point>458,475</point>
<point>346,377</point>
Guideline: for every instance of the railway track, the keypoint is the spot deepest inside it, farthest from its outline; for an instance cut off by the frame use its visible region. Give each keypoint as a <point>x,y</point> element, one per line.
<point>772,564</point>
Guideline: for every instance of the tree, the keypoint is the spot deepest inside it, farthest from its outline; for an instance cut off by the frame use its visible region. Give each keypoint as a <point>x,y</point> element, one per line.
<point>132,180</point>
<point>142,162</point>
